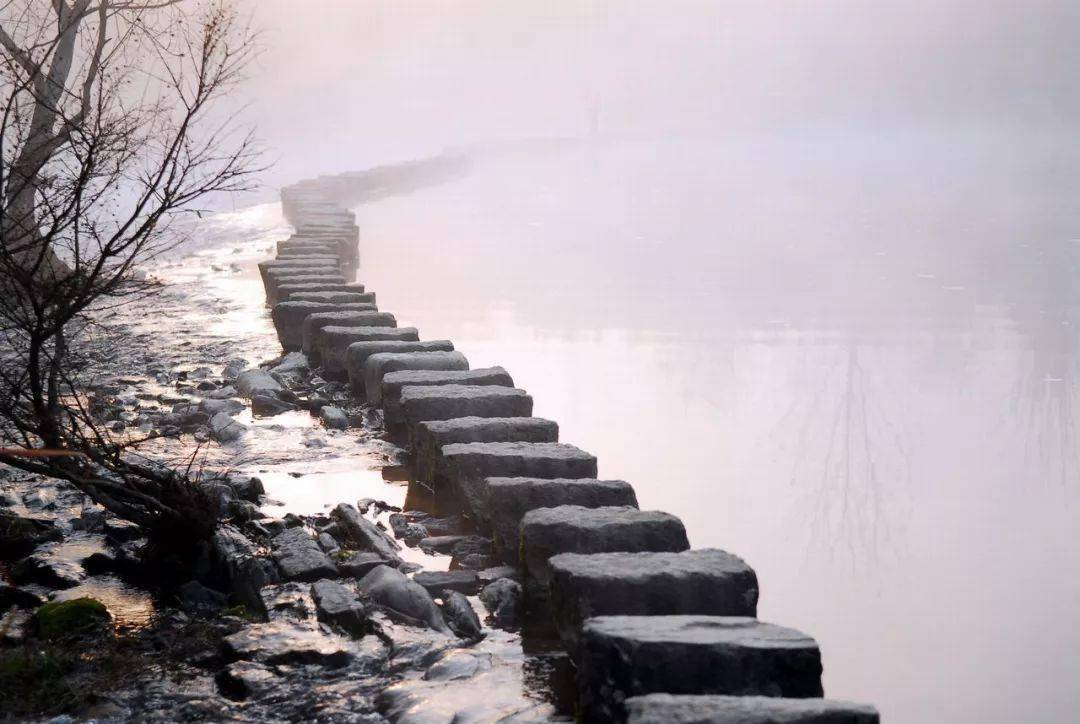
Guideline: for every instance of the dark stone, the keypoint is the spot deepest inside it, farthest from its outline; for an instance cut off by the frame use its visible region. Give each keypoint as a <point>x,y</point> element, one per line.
<point>13,596</point>
<point>395,382</point>
<point>441,543</point>
<point>428,437</point>
<point>197,599</point>
<point>391,590</point>
<point>335,604</point>
<point>243,679</point>
<point>490,575</point>
<point>460,616</point>
<point>705,709</point>
<point>363,533</point>
<point>334,418</point>
<point>286,642</point>
<point>237,562</point>
<point>267,406</point>
<point>383,363</point>
<point>52,572</point>
<point>21,534</point>
<point>437,581</point>
<point>246,487</point>
<point>502,599</point>
<point>359,564</point>
<point>299,556</point>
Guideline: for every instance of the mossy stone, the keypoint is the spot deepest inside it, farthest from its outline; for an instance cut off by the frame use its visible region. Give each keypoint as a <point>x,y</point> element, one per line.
<point>57,619</point>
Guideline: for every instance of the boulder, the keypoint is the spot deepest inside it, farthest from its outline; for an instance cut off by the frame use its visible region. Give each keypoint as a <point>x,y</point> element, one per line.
<point>714,709</point>
<point>704,582</point>
<point>20,534</point>
<point>253,381</point>
<point>390,589</point>
<point>363,533</point>
<point>197,599</point>
<point>509,499</point>
<point>334,417</point>
<point>286,642</point>
<point>335,604</point>
<point>394,382</point>
<point>460,616</point>
<point>375,366</point>
<point>18,597</point>
<point>358,564</point>
<point>228,406</point>
<point>437,581</point>
<point>269,405</point>
<point>626,656</point>
<point>427,438</point>
<point>299,556</point>
<point>226,429</point>
<point>547,532</point>
<point>465,466</point>
<point>502,599</point>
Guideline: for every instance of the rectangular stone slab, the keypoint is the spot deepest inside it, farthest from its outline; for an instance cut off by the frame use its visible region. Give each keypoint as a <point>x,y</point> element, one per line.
<point>394,382</point>
<point>327,262</point>
<point>344,350</point>
<point>707,582</point>
<point>288,318</point>
<point>315,325</point>
<point>284,291</point>
<point>465,466</point>
<point>509,499</point>
<point>547,532</point>
<point>626,656</point>
<point>299,277</point>
<point>332,297</point>
<point>377,365</point>
<point>449,401</point>
<point>717,709</point>
<point>427,438</point>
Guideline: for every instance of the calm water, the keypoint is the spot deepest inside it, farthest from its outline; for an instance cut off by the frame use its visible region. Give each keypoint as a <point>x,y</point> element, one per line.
<point>859,375</point>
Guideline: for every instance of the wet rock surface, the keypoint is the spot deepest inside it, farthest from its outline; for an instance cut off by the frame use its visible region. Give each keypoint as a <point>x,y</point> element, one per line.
<point>689,709</point>
<point>402,598</point>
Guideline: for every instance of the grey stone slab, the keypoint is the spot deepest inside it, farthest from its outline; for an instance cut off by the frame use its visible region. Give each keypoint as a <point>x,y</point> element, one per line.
<point>626,656</point>
<point>300,276</point>
<point>285,291</point>
<point>341,349</point>
<point>547,532</point>
<point>393,383</point>
<point>509,499</point>
<point>435,355</point>
<point>427,438</point>
<point>416,404</point>
<point>466,465</point>
<point>288,318</point>
<point>252,381</point>
<point>717,709</point>
<point>707,582</point>
<point>332,297</point>
<point>314,324</point>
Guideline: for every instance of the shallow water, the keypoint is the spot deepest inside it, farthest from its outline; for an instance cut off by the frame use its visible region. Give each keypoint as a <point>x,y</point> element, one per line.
<point>859,375</point>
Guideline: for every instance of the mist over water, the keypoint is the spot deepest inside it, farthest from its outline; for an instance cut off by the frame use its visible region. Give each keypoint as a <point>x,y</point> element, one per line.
<point>805,278</point>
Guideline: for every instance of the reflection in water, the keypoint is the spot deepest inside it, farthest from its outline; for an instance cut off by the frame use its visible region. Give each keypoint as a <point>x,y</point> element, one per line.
<point>852,365</point>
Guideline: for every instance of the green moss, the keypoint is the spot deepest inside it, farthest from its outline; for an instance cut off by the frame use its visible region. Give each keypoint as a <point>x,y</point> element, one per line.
<point>71,618</point>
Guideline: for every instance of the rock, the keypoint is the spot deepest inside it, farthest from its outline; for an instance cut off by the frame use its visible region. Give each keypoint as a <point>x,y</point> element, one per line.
<point>382,363</point>
<point>365,534</point>
<point>366,322</point>
<point>237,562</point>
<point>547,532</point>
<point>294,363</point>
<point>359,564</point>
<point>78,616</point>
<point>334,418</point>
<point>226,429</point>
<point>502,599</point>
<point>244,679</point>
<point>21,534</point>
<point>458,666</point>
<point>285,291</point>
<point>256,381</point>
<point>394,382</point>
<point>707,582</point>
<point>286,642</point>
<point>39,499</point>
<point>233,368</point>
<point>441,544</point>
<point>446,402</point>
<point>268,406</point>
<point>489,575</point>
<point>627,656</point>
<point>120,530</point>
<point>460,616</point>
<point>246,487</point>
<point>705,709</point>
<point>427,438</point>
<point>390,589</point>
<point>379,333</point>
<point>299,556</point>
<point>437,581</point>
<point>41,567</point>
<point>467,465</point>
<point>335,604</point>
<point>213,407</point>
<point>328,543</point>
<point>197,599</point>
<point>509,499</point>
<point>19,597</point>
<point>331,297</point>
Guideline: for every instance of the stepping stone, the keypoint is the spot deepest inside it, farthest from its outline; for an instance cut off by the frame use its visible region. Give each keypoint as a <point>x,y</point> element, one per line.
<point>466,465</point>
<point>285,291</point>
<point>299,557</point>
<point>393,383</point>
<point>333,297</point>
<point>547,532</point>
<point>316,323</point>
<point>427,438</point>
<point>306,246</point>
<point>301,276</point>
<point>321,262</point>
<point>509,499</point>
<point>449,401</point>
<point>714,709</point>
<point>407,356</point>
<point>627,656</point>
<point>346,349</point>
<point>288,318</point>
<point>703,582</point>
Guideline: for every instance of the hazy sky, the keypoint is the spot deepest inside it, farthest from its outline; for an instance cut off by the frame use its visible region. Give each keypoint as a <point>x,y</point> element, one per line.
<point>343,84</point>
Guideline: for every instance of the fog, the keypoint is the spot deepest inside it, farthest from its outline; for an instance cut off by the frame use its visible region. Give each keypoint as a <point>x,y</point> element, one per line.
<point>807,283</point>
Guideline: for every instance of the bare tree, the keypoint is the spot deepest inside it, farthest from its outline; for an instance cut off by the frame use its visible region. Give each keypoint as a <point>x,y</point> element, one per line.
<point>108,129</point>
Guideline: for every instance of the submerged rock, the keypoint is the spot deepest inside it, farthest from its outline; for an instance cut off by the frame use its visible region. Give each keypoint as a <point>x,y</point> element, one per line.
<point>390,589</point>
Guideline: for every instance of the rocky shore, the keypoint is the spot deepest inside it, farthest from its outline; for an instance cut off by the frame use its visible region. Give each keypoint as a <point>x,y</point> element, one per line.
<point>510,584</point>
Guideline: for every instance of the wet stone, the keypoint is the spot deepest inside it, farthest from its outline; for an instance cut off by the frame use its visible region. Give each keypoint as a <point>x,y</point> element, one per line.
<point>18,597</point>
<point>226,429</point>
<point>284,291</point>
<point>376,366</point>
<point>467,465</point>
<point>509,499</point>
<point>286,642</point>
<point>48,571</point>
<point>402,598</point>
<point>706,582</point>
<point>331,297</point>
<point>314,336</point>
<point>626,656</point>
<point>256,381</point>
<point>395,382</point>
<point>335,604</point>
<point>244,679</point>
<point>365,534</point>
<point>441,543</point>
<point>490,575</point>
<point>299,556</point>
<point>502,599</point>
<point>332,343</point>
<point>20,534</point>
<point>437,581</point>
<point>460,616</point>
<point>288,318</point>
<point>197,599</point>
<point>706,709</point>
<point>334,418</point>
<point>547,532</point>
<point>268,406</point>
<point>360,563</point>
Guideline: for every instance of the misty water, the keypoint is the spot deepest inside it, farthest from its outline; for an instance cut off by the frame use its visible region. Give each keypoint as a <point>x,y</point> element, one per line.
<point>857,370</point>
